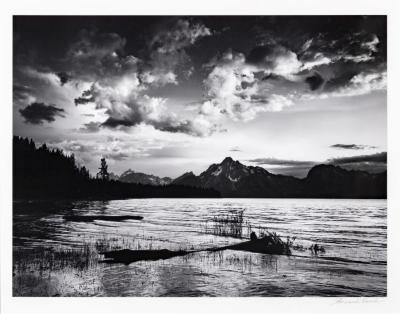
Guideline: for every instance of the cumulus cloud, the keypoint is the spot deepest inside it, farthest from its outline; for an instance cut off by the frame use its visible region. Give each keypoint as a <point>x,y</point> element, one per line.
<point>140,142</point>
<point>37,113</point>
<point>90,151</point>
<point>272,75</point>
<point>126,107</point>
<point>234,90</point>
<point>168,54</point>
<point>360,84</point>
<point>327,48</point>
<point>361,48</point>
<point>44,76</point>
<point>85,150</point>
<point>100,56</point>
<point>350,65</point>
<point>371,44</point>
<point>315,60</point>
<point>158,76</point>
<point>275,59</point>
<point>282,66</point>
<point>123,92</point>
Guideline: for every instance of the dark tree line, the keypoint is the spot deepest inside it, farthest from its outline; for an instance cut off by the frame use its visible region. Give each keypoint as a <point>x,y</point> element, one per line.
<point>44,173</point>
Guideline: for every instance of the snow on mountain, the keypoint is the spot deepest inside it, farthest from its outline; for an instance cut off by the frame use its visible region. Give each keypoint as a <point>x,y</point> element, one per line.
<point>131,176</point>
<point>233,179</point>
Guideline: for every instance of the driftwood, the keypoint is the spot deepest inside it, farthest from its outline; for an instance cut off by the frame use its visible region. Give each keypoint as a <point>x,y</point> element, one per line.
<point>78,218</point>
<point>264,245</point>
<point>129,256</point>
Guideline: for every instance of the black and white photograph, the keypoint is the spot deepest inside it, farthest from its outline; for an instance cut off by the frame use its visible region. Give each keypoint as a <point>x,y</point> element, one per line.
<point>199,156</point>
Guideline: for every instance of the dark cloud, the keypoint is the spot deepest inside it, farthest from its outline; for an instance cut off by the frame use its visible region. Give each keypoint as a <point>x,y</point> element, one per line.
<point>183,126</point>
<point>114,123</point>
<point>36,113</point>
<point>374,158</point>
<point>378,158</point>
<point>21,89</point>
<point>352,146</point>
<point>348,52</point>
<point>85,98</point>
<point>21,93</point>
<point>168,50</point>
<point>92,44</point>
<point>96,55</point>
<point>91,127</point>
<point>258,54</point>
<point>373,163</point>
<point>235,149</point>
<point>166,125</point>
<point>314,81</point>
<point>64,77</point>
<point>341,79</point>
<point>281,162</point>
<point>257,65</point>
<point>296,168</point>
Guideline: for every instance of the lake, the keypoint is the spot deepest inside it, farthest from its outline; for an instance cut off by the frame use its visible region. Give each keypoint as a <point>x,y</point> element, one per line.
<point>56,257</point>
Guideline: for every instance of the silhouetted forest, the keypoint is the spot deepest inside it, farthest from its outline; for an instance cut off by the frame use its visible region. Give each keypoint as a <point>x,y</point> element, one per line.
<point>44,173</point>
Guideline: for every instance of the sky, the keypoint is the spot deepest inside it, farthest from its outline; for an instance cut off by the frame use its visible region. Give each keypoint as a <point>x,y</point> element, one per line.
<point>169,94</point>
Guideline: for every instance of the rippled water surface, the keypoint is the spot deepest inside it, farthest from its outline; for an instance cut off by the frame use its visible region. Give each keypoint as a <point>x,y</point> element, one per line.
<point>55,257</point>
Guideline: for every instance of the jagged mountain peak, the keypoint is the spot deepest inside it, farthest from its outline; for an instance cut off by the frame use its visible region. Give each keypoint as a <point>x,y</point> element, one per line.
<point>131,176</point>
<point>229,165</point>
<point>233,179</point>
<point>229,172</point>
<point>227,160</point>
<point>189,173</point>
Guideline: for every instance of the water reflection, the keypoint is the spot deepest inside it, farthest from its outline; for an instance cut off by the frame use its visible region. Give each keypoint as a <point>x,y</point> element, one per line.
<point>353,233</point>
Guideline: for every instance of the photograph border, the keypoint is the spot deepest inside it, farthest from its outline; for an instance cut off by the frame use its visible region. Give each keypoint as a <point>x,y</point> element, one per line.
<point>388,304</point>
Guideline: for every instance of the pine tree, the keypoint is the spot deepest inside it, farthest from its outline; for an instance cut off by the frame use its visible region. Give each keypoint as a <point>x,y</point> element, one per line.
<point>103,173</point>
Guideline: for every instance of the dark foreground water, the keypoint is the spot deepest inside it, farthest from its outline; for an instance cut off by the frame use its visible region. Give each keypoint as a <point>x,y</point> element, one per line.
<point>55,257</point>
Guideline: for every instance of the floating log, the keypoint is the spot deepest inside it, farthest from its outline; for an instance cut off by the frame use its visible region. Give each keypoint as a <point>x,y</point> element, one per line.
<point>79,218</point>
<point>129,256</point>
<point>264,245</point>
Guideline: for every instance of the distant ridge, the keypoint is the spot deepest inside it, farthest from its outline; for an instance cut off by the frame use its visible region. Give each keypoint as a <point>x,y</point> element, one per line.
<point>234,179</point>
<point>131,176</point>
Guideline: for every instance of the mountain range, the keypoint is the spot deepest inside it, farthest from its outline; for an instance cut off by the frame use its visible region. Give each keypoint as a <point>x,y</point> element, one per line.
<point>131,176</point>
<point>233,179</point>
